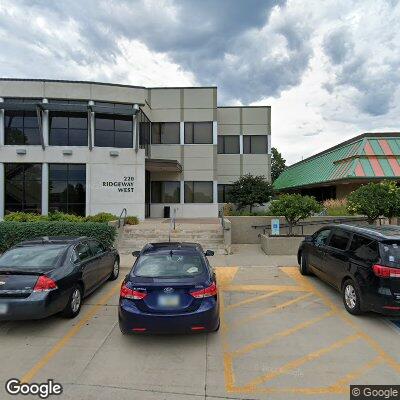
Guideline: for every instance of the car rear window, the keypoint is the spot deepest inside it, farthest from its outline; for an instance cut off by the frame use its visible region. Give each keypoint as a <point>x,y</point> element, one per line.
<point>390,253</point>
<point>364,249</point>
<point>31,257</point>
<point>169,265</point>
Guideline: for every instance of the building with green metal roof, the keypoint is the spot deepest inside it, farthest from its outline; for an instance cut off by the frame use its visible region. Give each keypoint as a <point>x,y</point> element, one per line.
<point>337,171</point>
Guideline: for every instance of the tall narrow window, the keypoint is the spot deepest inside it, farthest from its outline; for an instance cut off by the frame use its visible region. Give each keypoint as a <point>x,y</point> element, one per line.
<point>68,129</point>
<point>165,133</point>
<point>113,131</point>
<point>198,192</point>
<point>67,188</point>
<point>21,127</point>
<point>198,132</point>
<point>255,144</point>
<point>228,144</point>
<point>223,193</point>
<point>23,187</point>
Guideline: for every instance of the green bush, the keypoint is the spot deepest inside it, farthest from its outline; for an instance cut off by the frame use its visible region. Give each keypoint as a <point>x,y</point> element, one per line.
<point>19,216</point>
<point>131,220</point>
<point>12,233</point>
<point>101,217</point>
<point>60,216</point>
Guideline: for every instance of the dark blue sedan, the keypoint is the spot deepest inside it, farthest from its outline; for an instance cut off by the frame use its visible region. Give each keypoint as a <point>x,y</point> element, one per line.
<point>170,289</point>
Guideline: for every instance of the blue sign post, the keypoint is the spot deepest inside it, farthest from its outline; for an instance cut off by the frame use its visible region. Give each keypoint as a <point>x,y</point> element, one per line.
<point>274,226</point>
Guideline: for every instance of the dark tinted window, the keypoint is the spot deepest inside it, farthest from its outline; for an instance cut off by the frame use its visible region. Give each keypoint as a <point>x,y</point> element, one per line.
<point>113,131</point>
<point>339,240</point>
<point>321,237</point>
<point>165,133</point>
<point>228,144</point>
<point>363,248</point>
<point>198,132</point>
<point>83,251</point>
<point>390,253</point>
<point>67,188</point>
<point>68,129</point>
<point>165,192</point>
<point>198,192</point>
<point>23,187</point>
<point>21,127</point>
<point>96,247</point>
<point>255,144</point>
<point>223,193</point>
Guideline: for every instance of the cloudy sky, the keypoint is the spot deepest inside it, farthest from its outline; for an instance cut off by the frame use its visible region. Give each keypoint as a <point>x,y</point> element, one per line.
<point>329,69</point>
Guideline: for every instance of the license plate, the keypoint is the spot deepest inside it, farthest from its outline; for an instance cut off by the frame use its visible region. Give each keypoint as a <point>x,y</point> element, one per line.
<point>3,309</point>
<point>168,301</point>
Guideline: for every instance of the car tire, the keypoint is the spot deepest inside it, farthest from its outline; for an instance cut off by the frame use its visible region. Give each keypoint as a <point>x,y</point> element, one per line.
<point>351,297</point>
<point>74,302</point>
<point>115,271</point>
<point>303,265</point>
<point>218,326</point>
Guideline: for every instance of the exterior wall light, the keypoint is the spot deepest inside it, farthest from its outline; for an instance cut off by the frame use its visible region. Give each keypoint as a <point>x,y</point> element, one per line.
<point>67,152</point>
<point>21,152</point>
<point>114,153</point>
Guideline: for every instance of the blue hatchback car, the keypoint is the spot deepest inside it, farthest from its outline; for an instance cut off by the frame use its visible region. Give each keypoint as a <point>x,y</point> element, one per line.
<point>170,289</point>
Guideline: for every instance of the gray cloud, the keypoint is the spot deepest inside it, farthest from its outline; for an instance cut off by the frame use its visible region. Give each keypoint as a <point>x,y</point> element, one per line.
<point>337,45</point>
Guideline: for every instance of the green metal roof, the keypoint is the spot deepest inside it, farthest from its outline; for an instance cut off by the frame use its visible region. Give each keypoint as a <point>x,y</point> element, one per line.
<point>371,155</point>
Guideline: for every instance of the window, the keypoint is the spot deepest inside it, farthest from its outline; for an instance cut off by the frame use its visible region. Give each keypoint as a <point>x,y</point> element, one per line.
<point>223,193</point>
<point>144,129</point>
<point>96,247</point>
<point>23,187</point>
<point>321,237</point>
<point>113,131</point>
<point>198,192</point>
<point>165,133</point>
<point>364,249</point>
<point>339,240</point>
<point>255,144</point>
<point>198,132</point>
<point>67,188</point>
<point>21,127</point>
<point>68,129</point>
<point>82,252</point>
<point>165,192</point>
<point>228,144</point>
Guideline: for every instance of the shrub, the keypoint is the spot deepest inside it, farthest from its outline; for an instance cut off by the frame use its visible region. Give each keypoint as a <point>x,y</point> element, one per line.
<point>228,209</point>
<point>20,216</point>
<point>294,207</point>
<point>12,233</point>
<point>374,200</point>
<point>336,207</point>
<point>131,220</point>
<point>101,217</point>
<point>60,216</point>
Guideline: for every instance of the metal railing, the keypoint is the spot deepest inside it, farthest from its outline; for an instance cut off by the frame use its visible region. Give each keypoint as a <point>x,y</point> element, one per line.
<point>172,224</point>
<point>121,218</point>
<point>301,225</point>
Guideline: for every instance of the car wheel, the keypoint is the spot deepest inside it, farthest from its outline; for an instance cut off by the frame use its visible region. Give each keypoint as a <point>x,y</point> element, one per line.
<point>115,271</point>
<point>351,298</point>
<point>74,303</point>
<point>303,265</point>
<point>217,328</point>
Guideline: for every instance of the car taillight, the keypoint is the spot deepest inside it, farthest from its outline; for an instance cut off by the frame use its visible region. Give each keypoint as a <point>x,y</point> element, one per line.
<point>207,292</point>
<point>127,293</point>
<point>382,271</point>
<point>44,284</point>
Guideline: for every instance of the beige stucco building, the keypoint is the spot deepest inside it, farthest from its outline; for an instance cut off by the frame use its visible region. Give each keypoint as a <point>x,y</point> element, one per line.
<point>86,147</point>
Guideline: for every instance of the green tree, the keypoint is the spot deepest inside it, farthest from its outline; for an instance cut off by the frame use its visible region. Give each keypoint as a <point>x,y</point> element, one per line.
<point>278,164</point>
<point>374,200</point>
<point>249,191</point>
<point>294,207</point>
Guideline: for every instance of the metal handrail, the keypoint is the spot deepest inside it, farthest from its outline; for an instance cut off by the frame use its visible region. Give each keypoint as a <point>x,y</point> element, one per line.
<point>172,223</point>
<point>124,211</point>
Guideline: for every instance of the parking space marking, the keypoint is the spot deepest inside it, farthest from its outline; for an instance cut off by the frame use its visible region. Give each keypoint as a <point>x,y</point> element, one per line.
<point>302,284</point>
<point>70,334</point>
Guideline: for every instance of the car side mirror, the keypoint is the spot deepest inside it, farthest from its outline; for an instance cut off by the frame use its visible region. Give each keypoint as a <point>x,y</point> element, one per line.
<point>209,253</point>
<point>136,253</point>
<point>309,239</point>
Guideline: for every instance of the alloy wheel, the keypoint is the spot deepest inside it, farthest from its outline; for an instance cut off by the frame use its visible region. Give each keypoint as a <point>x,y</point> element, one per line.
<point>76,300</point>
<point>350,296</point>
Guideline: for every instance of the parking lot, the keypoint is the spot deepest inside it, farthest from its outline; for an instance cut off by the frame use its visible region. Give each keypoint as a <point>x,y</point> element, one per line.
<point>282,336</point>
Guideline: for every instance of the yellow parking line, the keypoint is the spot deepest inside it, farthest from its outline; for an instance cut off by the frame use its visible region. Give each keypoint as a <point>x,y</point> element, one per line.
<point>269,310</point>
<point>69,335</point>
<point>252,300</point>
<point>278,335</point>
<point>263,288</point>
<point>300,361</point>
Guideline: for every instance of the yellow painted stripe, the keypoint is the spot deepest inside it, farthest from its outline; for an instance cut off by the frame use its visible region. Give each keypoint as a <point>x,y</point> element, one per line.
<point>278,335</point>
<point>69,335</point>
<point>251,300</point>
<point>300,361</point>
<point>270,310</point>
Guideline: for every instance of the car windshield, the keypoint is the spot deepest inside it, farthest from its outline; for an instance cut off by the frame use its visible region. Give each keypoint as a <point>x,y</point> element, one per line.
<point>390,253</point>
<point>27,257</point>
<point>169,265</point>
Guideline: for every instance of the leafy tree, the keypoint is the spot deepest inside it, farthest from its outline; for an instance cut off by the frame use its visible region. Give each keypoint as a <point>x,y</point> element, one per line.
<point>374,200</point>
<point>249,191</point>
<point>294,207</point>
<point>278,164</point>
